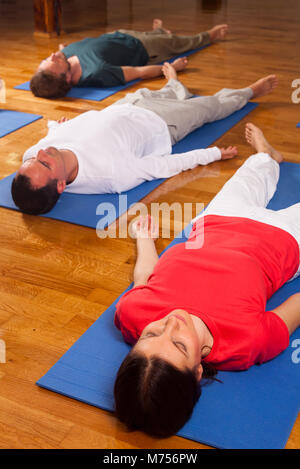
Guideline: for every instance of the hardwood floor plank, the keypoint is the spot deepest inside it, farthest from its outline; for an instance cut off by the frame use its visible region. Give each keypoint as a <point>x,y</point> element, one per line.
<point>39,427</point>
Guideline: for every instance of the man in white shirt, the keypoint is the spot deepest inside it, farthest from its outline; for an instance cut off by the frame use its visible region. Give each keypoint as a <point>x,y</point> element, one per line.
<point>125,144</point>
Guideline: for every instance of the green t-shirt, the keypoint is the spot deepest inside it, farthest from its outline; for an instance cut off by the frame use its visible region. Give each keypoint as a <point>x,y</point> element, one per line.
<point>101,58</point>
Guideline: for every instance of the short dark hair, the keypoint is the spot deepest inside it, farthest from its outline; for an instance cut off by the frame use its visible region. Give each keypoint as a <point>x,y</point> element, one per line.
<point>154,396</point>
<point>48,85</point>
<point>33,201</point>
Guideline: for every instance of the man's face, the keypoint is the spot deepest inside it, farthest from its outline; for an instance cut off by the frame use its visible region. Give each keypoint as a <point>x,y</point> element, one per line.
<point>56,63</point>
<point>47,165</point>
<point>174,339</point>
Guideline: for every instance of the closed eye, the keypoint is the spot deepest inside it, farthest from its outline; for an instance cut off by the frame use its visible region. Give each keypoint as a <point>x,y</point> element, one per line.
<point>179,345</point>
<point>39,161</point>
<point>44,164</point>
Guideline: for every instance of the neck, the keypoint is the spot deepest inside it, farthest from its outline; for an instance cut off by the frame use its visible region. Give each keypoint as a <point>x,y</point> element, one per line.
<point>70,164</point>
<point>75,69</point>
<point>206,339</point>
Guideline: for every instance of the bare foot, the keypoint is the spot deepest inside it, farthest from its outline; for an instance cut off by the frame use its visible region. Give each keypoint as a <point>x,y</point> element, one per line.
<point>158,24</point>
<point>180,64</point>
<point>257,140</point>
<point>169,71</point>
<point>218,32</point>
<point>264,86</point>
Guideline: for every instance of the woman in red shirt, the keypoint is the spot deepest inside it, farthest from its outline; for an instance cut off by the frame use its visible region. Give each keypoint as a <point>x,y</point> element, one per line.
<point>201,306</point>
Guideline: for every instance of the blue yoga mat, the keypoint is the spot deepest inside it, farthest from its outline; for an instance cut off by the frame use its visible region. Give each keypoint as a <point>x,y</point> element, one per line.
<point>250,409</point>
<point>92,94</point>
<point>81,209</point>
<point>98,94</point>
<point>14,120</point>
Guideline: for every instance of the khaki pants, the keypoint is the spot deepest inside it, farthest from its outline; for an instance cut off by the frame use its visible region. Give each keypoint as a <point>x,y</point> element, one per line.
<point>183,115</point>
<point>162,46</point>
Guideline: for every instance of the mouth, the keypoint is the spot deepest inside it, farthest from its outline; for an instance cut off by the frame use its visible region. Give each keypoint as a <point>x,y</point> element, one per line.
<point>180,317</point>
<point>48,151</point>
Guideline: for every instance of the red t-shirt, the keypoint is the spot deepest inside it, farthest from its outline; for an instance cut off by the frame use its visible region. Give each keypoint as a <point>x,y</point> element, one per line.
<point>226,283</point>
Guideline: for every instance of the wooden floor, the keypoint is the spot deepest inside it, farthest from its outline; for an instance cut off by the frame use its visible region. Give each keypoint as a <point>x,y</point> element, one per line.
<point>57,278</point>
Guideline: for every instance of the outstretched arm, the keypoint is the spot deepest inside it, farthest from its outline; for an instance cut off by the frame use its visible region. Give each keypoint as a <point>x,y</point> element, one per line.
<point>289,312</point>
<point>145,231</point>
<point>168,165</point>
<point>147,71</point>
<point>152,71</point>
<point>147,168</point>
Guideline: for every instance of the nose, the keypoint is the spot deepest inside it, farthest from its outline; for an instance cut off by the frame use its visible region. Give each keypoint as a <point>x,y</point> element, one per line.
<point>41,154</point>
<point>172,325</point>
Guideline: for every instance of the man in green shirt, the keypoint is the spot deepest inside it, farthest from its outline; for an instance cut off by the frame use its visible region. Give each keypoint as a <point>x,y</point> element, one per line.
<point>115,58</point>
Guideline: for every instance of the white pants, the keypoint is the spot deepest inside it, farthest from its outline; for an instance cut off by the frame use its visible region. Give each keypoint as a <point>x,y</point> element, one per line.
<point>248,193</point>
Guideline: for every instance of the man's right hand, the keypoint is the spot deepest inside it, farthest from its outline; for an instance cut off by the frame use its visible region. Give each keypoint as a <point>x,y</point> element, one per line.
<point>228,153</point>
<point>62,119</point>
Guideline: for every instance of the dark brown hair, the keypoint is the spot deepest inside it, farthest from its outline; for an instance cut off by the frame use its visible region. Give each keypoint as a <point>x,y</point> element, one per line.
<point>48,85</point>
<point>33,201</point>
<point>154,396</point>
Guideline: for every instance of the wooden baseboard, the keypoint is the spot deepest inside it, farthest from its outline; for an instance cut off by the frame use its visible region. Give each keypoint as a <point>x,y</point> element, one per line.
<point>43,34</point>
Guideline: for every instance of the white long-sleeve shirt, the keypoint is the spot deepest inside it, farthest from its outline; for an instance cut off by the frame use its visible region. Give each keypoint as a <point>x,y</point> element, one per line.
<point>118,148</point>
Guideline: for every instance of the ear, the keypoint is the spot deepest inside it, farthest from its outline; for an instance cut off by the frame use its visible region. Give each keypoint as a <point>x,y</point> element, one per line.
<point>68,77</point>
<point>198,370</point>
<point>61,185</point>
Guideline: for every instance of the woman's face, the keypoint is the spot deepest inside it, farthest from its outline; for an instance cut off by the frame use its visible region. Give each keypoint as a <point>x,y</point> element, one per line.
<point>174,339</point>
